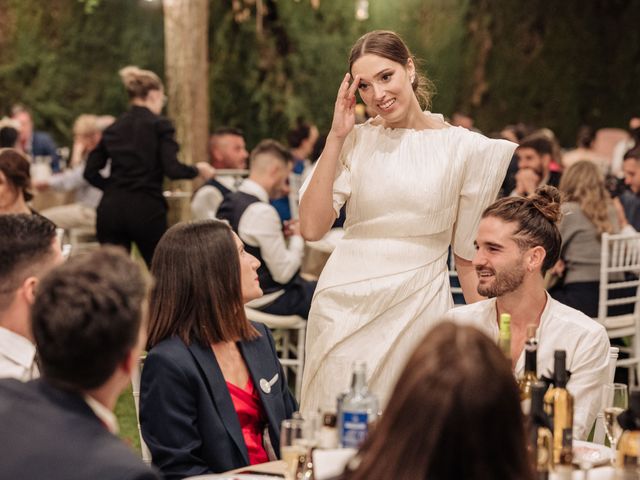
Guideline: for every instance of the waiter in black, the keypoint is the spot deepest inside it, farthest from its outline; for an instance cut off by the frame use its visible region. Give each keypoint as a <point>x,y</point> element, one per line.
<point>142,148</point>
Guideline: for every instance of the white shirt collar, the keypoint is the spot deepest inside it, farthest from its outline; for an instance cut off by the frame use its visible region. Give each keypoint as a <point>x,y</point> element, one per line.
<point>17,348</point>
<point>105,415</point>
<point>252,188</point>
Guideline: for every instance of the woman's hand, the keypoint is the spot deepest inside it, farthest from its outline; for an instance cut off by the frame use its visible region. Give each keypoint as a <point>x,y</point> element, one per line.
<point>344,112</point>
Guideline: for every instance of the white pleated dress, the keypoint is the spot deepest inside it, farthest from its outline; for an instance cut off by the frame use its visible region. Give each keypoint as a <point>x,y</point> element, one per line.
<point>410,194</point>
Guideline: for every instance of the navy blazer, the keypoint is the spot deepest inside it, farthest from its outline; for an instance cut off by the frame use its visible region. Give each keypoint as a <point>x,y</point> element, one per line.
<point>51,433</point>
<point>187,416</point>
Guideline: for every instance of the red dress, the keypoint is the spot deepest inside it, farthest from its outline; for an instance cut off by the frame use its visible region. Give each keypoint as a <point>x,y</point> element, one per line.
<point>252,420</point>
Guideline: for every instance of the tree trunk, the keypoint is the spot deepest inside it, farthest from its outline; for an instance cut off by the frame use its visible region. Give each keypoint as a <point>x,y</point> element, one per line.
<point>187,76</point>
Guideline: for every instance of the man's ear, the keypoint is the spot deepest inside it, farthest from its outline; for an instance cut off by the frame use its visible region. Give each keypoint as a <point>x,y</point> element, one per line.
<point>536,257</point>
<point>29,289</point>
<point>130,362</point>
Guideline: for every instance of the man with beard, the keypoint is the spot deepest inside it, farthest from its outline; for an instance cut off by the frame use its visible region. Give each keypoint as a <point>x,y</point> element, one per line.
<point>534,160</point>
<point>516,243</point>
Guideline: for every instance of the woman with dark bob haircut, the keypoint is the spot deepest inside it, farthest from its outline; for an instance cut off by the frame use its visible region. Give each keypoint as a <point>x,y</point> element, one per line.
<point>213,393</point>
<point>454,414</point>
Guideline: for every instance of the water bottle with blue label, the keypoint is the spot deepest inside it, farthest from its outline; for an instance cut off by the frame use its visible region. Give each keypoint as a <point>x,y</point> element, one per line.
<point>357,409</point>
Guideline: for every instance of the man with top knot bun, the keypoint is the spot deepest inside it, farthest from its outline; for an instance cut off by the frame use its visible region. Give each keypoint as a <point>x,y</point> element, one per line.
<point>517,242</point>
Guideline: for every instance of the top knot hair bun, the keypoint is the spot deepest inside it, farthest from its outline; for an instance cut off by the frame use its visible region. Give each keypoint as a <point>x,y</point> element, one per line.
<point>547,200</point>
<point>139,82</point>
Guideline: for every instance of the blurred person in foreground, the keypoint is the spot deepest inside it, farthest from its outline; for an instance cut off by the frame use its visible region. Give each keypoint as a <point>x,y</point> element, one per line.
<point>89,326</point>
<point>142,148</point>
<point>228,152</point>
<point>518,241</point>
<point>454,414</point>
<point>213,392</point>
<point>15,182</point>
<point>87,131</point>
<point>28,250</point>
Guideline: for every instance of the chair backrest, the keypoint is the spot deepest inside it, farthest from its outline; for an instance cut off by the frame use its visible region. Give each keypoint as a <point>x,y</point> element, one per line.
<point>620,254</point>
<point>135,388</point>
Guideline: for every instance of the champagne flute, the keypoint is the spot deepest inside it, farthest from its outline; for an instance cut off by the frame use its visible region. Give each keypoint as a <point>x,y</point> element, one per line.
<point>291,434</point>
<point>615,400</point>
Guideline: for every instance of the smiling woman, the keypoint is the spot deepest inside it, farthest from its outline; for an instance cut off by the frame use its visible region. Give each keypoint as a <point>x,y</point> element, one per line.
<point>413,185</point>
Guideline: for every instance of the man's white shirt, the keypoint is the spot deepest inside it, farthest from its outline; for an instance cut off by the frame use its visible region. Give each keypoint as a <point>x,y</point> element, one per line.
<point>17,356</point>
<point>561,328</point>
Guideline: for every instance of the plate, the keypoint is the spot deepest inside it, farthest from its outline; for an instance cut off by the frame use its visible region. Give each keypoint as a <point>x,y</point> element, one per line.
<point>593,453</point>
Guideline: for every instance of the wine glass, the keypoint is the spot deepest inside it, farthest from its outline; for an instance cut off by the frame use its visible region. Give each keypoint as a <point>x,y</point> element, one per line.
<point>615,400</point>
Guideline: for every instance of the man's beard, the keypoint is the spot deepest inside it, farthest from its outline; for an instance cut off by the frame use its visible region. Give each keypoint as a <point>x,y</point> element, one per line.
<point>505,281</point>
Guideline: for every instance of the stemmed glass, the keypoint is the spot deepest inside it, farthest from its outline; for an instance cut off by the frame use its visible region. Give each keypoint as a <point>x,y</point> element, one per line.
<point>615,400</point>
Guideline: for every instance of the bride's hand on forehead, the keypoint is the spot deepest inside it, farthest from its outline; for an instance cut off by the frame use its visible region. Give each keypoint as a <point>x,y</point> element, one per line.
<point>344,113</point>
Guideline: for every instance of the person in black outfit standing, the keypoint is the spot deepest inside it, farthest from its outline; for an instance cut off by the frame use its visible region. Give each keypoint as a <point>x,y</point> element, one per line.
<point>142,150</point>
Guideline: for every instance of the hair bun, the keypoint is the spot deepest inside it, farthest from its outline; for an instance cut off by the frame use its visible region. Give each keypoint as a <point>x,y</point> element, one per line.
<point>129,75</point>
<point>547,200</point>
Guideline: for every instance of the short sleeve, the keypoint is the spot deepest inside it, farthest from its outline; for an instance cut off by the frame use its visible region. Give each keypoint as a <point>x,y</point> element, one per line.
<point>342,179</point>
<point>485,165</point>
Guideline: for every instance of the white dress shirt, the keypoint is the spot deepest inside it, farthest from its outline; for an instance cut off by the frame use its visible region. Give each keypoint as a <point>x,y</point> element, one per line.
<point>17,356</point>
<point>106,416</point>
<point>561,328</point>
<point>260,226</point>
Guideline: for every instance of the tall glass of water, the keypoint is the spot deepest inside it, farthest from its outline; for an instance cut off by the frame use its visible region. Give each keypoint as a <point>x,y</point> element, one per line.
<point>615,400</point>
<point>292,432</point>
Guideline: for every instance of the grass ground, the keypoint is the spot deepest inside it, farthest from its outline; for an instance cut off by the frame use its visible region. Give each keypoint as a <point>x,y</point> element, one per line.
<point>126,413</point>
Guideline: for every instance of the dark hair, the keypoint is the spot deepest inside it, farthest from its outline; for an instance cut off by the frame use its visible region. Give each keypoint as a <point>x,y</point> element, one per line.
<point>454,414</point>
<point>632,153</point>
<point>299,134</point>
<point>15,167</point>
<point>227,131</point>
<point>389,45</point>
<point>272,148</point>
<point>540,144</point>
<point>8,137</point>
<point>139,82</point>
<point>585,137</point>
<point>25,243</point>
<point>536,217</point>
<point>198,294</point>
<point>87,317</point>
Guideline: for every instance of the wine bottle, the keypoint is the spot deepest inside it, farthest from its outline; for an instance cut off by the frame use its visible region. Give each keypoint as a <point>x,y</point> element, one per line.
<point>628,455</point>
<point>559,407</point>
<point>504,340</point>
<point>540,436</point>
<point>530,375</point>
<point>359,407</point>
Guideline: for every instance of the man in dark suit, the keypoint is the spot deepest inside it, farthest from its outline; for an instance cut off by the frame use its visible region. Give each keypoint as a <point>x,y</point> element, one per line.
<point>33,142</point>
<point>89,332</point>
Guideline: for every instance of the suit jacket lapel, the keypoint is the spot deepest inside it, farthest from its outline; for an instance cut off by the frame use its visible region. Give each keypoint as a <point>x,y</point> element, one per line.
<point>254,356</point>
<point>220,393</point>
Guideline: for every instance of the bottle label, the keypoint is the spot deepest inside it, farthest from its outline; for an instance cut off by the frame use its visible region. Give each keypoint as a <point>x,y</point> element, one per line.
<point>354,428</point>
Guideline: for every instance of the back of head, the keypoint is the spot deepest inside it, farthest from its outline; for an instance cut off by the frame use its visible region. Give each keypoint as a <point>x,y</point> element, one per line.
<point>585,137</point>
<point>535,217</point>
<point>139,82</point>
<point>583,183</point>
<point>265,154</point>
<point>197,295</point>
<point>16,168</point>
<point>298,134</point>
<point>87,317</point>
<point>8,137</point>
<point>389,45</point>
<point>456,399</point>
<point>25,245</point>
<point>85,125</point>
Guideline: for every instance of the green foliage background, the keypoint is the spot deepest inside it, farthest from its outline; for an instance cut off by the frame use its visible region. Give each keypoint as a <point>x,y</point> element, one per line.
<point>556,64</point>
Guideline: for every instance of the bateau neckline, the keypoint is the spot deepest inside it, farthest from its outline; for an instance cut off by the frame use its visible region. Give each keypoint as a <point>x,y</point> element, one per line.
<point>426,113</point>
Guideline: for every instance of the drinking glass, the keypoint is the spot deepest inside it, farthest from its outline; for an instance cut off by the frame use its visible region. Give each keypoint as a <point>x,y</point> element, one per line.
<point>615,400</point>
<point>292,433</point>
